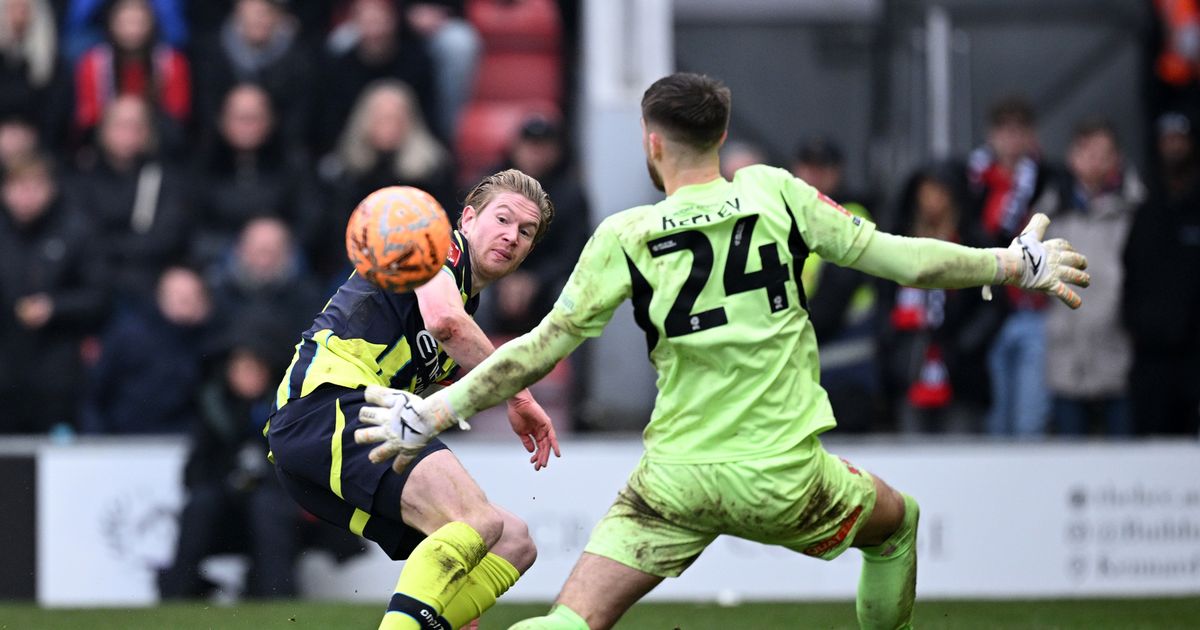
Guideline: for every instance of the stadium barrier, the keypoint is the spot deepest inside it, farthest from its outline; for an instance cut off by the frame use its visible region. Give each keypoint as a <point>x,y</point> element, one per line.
<point>998,520</point>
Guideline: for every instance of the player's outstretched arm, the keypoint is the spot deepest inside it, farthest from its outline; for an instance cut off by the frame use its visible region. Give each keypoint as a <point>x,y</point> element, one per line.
<point>1029,263</point>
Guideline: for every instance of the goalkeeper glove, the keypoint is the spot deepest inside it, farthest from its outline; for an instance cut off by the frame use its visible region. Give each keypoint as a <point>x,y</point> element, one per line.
<point>1046,266</point>
<point>403,424</point>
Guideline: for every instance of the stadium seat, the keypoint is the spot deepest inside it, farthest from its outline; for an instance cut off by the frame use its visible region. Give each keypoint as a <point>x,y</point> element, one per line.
<point>486,129</point>
<point>517,25</point>
<point>519,76</point>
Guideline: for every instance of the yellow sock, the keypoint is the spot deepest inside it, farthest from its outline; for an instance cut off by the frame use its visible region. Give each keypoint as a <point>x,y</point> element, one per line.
<point>490,579</point>
<point>432,576</point>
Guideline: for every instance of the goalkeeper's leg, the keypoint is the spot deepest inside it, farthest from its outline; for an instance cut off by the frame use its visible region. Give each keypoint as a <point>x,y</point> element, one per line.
<point>888,583</point>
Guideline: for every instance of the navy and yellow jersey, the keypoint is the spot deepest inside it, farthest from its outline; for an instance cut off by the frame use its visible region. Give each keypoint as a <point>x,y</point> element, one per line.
<point>366,335</point>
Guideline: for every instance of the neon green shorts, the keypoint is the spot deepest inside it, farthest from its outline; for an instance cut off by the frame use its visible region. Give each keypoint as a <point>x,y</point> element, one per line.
<point>806,500</point>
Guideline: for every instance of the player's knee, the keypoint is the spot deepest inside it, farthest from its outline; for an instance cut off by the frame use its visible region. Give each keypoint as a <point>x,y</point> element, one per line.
<point>885,520</point>
<point>515,544</point>
<point>486,520</point>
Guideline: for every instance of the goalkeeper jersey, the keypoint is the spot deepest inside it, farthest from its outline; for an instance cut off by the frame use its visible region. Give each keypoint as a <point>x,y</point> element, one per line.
<point>713,272</point>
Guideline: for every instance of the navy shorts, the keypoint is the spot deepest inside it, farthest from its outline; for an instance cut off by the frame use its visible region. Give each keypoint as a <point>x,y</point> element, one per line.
<point>333,479</point>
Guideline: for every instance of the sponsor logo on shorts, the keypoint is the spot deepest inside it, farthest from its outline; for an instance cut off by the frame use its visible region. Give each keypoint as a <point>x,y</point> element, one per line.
<point>850,466</point>
<point>838,537</point>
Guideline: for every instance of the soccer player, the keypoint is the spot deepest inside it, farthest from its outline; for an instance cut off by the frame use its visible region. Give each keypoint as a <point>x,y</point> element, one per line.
<point>463,552</point>
<point>732,446</point>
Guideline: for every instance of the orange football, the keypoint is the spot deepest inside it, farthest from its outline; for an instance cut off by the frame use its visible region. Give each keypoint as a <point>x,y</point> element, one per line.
<point>398,237</point>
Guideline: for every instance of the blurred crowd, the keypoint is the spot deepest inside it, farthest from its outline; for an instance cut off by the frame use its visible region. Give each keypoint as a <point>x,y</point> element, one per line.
<point>177,177</point>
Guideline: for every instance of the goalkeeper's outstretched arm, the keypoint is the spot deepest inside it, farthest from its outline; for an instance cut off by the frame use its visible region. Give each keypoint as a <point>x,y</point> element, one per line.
<point>511,368</point>
<point>1028,263</point>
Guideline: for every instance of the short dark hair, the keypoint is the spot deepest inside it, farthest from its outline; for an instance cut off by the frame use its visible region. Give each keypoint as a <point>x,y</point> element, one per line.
<point>1093,126</point>
<point>690,108</point>
<point>1011,110</point>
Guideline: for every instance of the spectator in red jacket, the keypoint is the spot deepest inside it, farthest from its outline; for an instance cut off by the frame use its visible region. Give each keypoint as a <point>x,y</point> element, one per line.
<point>132,61</point>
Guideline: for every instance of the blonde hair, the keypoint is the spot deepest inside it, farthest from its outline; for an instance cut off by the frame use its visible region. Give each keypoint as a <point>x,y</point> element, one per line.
<point>517,182</point>
<point>417,158</point>
<point>38,46</point>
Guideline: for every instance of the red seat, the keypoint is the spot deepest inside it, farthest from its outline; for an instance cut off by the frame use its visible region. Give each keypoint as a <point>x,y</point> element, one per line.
<point>517,25</point>
<point>486,130</point>
<point>519,76</point>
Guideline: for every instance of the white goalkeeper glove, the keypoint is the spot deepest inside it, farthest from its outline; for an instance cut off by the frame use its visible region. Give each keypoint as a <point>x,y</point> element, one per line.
<point>404,424</point>
<point>1047,266</point>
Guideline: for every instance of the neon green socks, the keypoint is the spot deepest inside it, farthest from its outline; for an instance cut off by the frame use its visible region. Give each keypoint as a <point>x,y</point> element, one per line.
<point>559,618</point>
<point>433,575</point>
<point>888,583</point>
<point>490,579</point>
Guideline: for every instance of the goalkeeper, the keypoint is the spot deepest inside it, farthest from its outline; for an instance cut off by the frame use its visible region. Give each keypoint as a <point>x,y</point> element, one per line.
<point>732,447</point>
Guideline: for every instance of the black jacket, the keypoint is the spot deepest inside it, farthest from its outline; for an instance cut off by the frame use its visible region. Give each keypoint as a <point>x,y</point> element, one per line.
<point>135,252</point>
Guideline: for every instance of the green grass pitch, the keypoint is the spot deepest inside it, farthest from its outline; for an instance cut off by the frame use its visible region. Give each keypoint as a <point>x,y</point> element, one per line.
<point>977,615</point>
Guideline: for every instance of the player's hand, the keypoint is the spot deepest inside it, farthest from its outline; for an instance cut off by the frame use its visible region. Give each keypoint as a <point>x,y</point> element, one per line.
<point>399,427</point>
<point>530,422</point>
<point>1047,266</point>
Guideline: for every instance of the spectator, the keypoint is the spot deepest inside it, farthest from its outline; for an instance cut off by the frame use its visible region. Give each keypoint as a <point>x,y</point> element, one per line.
<point>385,143</point>
<point>18,140</point>
<point>132,61</point>
<point>521,299</point>
<point>31,74</point>
<point>83,26</point>
<point>263,274</point>
<point>51,298</point>
<point>258,43</point>
<point>133,198</point>
<point>1006,176</point>
<point>841,302</point>
<point>379,49</point>
<point>934,341</point>
<point>1175,65</point>
<point>455,47</point>
<point>1088,353</point>
<point>247,173</point>
<point>150,358</point>
<point>233,501</point>
<point>1161,296</point>
<point>736,154</point>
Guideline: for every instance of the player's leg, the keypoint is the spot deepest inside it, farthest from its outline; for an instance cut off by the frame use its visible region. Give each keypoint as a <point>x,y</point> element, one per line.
<point>598,592</point>
<point>507,560</point>
<point>441,499</point>
<point>651,532</point>
<point>888,582</point>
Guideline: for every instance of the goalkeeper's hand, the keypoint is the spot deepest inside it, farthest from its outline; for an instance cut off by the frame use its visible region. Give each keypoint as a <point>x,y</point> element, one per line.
<point>403,423</point>
<point>1047,266</point>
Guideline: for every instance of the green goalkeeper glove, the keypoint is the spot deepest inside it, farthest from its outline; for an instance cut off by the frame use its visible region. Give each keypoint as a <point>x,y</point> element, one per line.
<point>1046,266</point>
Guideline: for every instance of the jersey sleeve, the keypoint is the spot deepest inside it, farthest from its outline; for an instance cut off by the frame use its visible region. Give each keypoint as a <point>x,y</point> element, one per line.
<point>597,286</point>
<point>830,230</point>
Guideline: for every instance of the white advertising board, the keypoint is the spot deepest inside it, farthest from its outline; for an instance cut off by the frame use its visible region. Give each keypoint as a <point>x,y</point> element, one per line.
<point>997,521</point>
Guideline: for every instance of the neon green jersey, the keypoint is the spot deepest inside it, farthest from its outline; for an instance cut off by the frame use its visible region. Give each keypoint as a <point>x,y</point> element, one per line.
<point>714,275</point>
